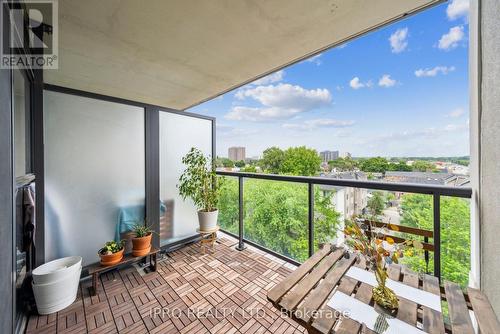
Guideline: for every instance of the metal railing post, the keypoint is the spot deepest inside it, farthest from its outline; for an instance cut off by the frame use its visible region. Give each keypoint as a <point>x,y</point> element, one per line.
<point>426,256</point>
<point>437,235</point>
<point>311,218</point>
<point>241,246</point>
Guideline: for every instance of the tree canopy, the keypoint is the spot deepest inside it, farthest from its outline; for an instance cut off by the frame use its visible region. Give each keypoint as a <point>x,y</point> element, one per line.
<point>301,161</point>
<point>455,233</point>
<point>375,165</point>
<point>376,203</point>
<point>294,160</point>
<point>343,164</point>
<point>276,215</point>
<point>272,160</point>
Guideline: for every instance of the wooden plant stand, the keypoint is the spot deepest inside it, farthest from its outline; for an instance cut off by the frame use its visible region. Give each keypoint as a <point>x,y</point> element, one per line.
<point>208,238</point>
<point>97,269</point>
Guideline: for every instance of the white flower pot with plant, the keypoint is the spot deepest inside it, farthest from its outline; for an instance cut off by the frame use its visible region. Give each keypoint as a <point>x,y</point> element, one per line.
<point>200,183</point>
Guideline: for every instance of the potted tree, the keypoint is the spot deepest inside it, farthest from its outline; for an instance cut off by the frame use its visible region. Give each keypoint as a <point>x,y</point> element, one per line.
<point>141,243</point>
<point>111,253</point>
<point>199,182</point>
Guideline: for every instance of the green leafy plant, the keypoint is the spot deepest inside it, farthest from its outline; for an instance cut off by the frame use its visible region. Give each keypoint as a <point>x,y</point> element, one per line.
<point>141,230</point>
<point>199,181</point>
<point>111,247</point>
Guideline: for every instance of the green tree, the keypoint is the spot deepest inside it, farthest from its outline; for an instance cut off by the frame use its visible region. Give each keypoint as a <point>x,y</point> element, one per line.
<point>423,166</point>
<point>455,234</point>
<point>240,163</point>
<point>229,204</point>
<point>376,203</point>
<point>228,163</point>
<point>276,215</point>
<point>343,164</point>
<point>375,165</point>
<point>400,166</point>
<point>301,161</point>
<point>249,169</point>
<point>272,160</point>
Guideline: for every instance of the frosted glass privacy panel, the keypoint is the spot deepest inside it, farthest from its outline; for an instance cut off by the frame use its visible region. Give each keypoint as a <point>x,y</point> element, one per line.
<point>94,173</point>
<point>178,133</point>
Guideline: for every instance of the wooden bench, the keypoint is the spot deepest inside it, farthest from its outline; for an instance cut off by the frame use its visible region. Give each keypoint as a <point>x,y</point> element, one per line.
<point>304,294</point>
<point>97,269</point>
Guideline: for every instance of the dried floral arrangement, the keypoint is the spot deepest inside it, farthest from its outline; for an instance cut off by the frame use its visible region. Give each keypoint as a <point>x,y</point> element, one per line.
<point>379,250</point>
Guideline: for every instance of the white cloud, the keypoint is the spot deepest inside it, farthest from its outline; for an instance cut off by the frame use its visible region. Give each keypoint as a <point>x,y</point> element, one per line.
<point>318,123</point>
<point>450,40</point>
<point>356,83</point>
<point>456,113</point>
<point>280,101</point>
<point>268,79</point>
<point>341,46</point>
<point>228,131</point>
<point>428,133</point>
<point>315,59</point>
<point>399,40</point>
<point>386,81</point>
<point>432,72</point>
<point>457,9</point>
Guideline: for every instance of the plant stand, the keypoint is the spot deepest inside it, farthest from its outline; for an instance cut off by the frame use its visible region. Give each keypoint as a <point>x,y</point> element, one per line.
<point>97,269</point>
<point>208,238</point>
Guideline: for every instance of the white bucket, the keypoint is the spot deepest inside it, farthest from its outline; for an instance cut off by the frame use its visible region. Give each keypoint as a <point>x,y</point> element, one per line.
<point>54,270</point>
<point>60,285</point>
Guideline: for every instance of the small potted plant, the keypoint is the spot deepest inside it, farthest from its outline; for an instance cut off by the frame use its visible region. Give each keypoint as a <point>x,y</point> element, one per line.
<point>111,253</point>
<point>141,243</point>
<point>200,183</point>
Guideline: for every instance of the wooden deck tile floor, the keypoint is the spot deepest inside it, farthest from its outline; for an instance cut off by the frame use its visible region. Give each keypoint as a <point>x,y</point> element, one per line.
<point>223,292</point>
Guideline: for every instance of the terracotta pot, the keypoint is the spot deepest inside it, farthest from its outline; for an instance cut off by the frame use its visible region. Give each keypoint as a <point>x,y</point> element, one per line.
<point>109,260</point>
<point>141,246</point>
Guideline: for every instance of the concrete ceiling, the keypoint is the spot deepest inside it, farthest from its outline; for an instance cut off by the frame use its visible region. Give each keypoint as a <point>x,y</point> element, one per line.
<point>178,53</point>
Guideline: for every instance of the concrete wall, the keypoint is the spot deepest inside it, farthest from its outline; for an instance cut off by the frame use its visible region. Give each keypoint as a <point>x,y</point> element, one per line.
<point>488,148</point>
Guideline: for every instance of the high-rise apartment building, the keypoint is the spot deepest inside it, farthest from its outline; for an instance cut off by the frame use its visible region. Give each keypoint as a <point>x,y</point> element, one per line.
<point>236,153</point>
<point>329,155</point>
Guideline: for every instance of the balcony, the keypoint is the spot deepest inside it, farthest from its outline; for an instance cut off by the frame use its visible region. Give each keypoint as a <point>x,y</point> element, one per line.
<point>232,283</point>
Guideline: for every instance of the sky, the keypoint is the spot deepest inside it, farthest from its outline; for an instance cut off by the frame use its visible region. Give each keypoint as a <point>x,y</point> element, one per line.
<point>399,91</point>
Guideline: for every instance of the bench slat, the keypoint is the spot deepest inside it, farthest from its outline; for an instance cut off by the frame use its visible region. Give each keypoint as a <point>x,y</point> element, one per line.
<point>323,290</point>
<point>459,314</point>
<point>486,317</point>
<point>295,296</point>
<point>276,293</point>
<point>432,319</point>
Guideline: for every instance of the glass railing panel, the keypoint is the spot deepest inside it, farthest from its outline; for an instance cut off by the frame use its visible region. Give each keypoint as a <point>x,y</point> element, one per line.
<point>276,216</point>
<point>455,239</point>
<point>416,211</point>
<point>229,204</point>
<point>332,206</point>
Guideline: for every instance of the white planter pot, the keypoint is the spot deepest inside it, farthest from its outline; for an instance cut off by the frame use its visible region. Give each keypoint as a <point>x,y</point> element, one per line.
<point>208,220</point>
<point>60,284</point>
<point>54,270</point>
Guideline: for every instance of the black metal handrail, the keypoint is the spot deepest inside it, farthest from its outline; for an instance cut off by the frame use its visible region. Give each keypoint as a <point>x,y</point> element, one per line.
<point>435,190</point>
